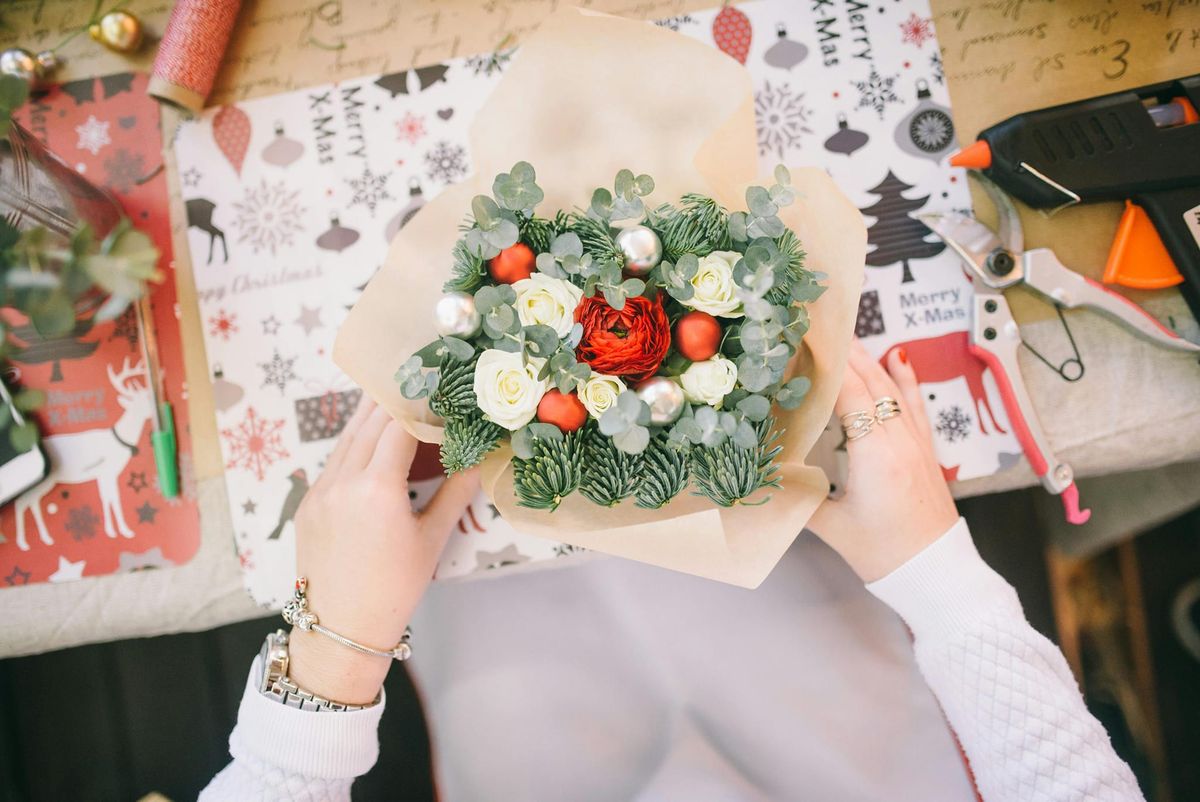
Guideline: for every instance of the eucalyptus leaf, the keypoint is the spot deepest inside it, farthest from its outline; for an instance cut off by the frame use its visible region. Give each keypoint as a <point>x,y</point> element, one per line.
<point>23,437</point>
<point>633,440</point>
<point>744,436</point>
<point>54,316</point>
<point>612,422</point>
<point>754,407</point>
<point>459,349</point>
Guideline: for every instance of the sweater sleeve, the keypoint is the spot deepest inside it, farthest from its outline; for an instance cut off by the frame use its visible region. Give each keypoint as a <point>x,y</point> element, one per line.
<point>1006,690</point>
<point>281,753</point>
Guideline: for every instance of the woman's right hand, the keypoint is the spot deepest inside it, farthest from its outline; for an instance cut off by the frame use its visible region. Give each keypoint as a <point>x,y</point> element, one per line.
<point>896,501</point>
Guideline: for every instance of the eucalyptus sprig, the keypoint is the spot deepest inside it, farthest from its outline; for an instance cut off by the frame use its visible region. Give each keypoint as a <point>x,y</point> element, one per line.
<point>764,204</point>
<point>627,422</point>
<point>625,201</point>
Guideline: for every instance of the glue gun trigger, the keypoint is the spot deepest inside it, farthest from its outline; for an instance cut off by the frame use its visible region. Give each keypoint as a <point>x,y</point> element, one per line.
<point>1138,258</point>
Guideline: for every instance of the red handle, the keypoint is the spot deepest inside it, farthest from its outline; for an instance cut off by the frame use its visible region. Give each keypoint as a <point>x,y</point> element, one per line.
<point>1037,460</point>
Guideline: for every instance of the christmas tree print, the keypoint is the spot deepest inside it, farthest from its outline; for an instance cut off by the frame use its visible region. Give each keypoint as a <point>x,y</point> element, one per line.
<point>35,350</point>
<point>896,234</point>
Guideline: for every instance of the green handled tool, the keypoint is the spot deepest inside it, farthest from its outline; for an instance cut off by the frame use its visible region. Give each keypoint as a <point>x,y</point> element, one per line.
<point>162,438</point>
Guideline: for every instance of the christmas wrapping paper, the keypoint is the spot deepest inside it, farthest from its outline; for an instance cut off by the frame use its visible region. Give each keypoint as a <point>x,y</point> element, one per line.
<point>110,517</point>
<point>855,90</point>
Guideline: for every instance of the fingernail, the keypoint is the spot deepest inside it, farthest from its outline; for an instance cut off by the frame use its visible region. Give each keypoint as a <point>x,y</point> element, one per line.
<point>903,355</point>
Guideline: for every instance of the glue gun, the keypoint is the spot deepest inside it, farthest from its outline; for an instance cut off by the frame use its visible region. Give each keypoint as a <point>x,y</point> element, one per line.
<point>1141,146</point>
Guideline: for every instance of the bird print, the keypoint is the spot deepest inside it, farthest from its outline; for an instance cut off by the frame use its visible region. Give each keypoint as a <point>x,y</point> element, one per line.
<point>291,503</point>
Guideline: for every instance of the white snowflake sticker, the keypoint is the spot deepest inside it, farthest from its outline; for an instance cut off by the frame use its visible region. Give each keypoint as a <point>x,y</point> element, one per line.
<point>93,135</point>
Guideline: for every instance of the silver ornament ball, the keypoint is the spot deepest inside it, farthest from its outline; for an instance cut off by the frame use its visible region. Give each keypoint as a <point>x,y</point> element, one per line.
<point>20,63</point>
<point>665,399</point>
<point>642,249</point>
<point>455,315</point>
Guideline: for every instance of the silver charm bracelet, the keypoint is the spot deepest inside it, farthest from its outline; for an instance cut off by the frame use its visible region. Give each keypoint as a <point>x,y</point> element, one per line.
<point>296,613</point>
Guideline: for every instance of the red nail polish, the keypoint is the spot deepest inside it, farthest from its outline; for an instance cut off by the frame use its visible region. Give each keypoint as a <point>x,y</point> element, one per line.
<point>903,355</point>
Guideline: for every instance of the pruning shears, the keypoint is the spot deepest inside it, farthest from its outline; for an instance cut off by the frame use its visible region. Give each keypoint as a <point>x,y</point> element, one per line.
<point>996,261</point>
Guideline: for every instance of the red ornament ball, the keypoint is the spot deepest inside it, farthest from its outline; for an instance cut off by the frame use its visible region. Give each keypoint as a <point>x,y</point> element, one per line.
<point>563,410</point>
<point>513,264</point>
<point>697,335</point>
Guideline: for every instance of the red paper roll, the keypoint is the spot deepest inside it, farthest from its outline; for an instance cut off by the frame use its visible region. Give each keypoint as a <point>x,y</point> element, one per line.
<point>191,51</point>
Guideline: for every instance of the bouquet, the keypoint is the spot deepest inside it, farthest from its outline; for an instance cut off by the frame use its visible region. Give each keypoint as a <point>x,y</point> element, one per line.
<point>625,351</point>
<point>585,96</point>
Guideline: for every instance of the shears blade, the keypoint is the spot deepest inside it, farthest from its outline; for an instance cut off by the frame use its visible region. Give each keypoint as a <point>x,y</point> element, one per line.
<point>970,239</point>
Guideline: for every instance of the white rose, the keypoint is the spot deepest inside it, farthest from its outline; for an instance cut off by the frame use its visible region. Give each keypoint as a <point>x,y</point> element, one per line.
<point>709,381</point>
<point>506,390</point>
<point>546,301</point>
<point>713,283</point>
<point>600,392</point>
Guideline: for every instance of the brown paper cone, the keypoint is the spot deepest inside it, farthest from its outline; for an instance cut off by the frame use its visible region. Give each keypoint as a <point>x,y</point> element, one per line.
<point>586,96</point>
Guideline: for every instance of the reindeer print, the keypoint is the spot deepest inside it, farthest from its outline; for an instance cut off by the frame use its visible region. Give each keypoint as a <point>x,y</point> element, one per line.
<point>95,455</point>
<point>199,215</point>
<point>939,359</point>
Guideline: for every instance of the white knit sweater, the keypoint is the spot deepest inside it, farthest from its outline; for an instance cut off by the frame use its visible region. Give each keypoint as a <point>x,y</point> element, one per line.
<point>1006,690</point>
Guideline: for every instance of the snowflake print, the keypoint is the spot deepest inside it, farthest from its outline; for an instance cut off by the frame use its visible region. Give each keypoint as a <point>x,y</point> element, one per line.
<point>93,135</point>
<point>125,170</point>
<point>268,216</point>
<point>223,324</point>
<point>876,92</point>
<point>916,30</point>
<point>369,190</point>
<point>676,22</point>
<point>82,523</point>
<point>931,130</point>
<point>255,444</point>
<point>410,128</point>
<point>953,424</point>
<point>935,64</point>
<point>278,372</point>
<point>491,63</point>
<point>446,162</point>
<point>782,119</point>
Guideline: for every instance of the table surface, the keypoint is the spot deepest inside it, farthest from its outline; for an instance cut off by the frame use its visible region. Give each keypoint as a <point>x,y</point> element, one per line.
<point>281,45</point>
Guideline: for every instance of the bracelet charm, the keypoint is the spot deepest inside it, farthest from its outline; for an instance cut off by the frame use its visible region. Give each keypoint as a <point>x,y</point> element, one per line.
<point>295,612</point>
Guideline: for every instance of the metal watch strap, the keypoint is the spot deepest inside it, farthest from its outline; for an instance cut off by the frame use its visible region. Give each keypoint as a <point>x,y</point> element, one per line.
<point>276,685</point>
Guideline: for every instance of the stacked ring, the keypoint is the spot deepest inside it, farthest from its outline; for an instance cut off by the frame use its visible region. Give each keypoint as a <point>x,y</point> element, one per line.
<point>857,424</point>
<point>886,408</point>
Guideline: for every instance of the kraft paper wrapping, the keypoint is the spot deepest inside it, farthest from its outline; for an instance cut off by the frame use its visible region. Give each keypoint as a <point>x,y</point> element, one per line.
<point>586,96</point>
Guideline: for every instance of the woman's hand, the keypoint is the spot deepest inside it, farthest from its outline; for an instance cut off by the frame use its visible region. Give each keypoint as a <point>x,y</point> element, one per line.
<point>896,501</point>
<point>368,557</point>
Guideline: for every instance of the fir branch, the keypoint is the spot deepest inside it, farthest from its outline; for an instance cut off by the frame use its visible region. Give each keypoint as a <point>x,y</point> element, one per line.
<point>789,245</point>
<point>467,441</point>
<point>612,474</point>
<point>728,474</point>
<point>596,238</point>
<point>552,473</point>
<point>455,393</point>
<point>664,474</point>
<point>699,226</point>
<point>468,270</point>
<point>538,233</point>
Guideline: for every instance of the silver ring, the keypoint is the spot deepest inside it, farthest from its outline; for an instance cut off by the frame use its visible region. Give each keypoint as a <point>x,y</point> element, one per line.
<point>857,424</point>
<point>886,408</point>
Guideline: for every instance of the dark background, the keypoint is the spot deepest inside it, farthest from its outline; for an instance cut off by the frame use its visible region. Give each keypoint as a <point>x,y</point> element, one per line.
<point>118,720</point>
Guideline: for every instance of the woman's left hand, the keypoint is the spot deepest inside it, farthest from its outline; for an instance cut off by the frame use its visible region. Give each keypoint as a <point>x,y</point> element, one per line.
<point>368,556</point>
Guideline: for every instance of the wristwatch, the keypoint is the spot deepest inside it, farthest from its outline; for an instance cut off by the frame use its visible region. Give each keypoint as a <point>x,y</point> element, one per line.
<point>276,685</point>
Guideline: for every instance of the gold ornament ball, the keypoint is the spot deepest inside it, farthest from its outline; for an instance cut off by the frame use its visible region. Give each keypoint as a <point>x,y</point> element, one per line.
<point>19,63</point>
<point>119,31</point>
<point>642,249</point>
<point>665,399</point>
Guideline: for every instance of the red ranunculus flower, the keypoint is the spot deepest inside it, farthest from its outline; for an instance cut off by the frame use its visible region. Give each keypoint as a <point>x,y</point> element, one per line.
<point>631,343</point>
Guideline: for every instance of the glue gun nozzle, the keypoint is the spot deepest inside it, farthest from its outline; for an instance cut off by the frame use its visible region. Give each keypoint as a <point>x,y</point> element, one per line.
<point>976,156</point>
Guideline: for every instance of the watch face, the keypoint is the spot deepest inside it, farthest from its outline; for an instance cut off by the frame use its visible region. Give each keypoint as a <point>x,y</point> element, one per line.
<point>931,130</point>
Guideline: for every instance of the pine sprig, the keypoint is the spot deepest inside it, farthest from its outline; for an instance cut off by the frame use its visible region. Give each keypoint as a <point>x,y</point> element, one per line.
<point>467,271</point>
<point>728,474</point>
<point>596,238</point>
<point>455,393</point>
<point>612,474</point>
<point>700,225</point>
<point>664,475</point>
<point>538,233</point>
<point>467,441</point>
<point>789,245</point>
<point>552,473</point>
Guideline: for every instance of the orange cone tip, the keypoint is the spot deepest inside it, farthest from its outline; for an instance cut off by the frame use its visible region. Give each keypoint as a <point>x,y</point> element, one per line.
<point>976,156</point>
